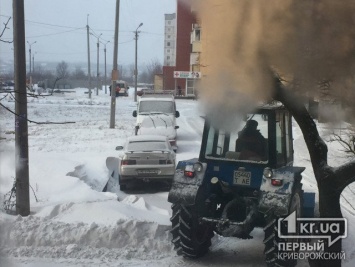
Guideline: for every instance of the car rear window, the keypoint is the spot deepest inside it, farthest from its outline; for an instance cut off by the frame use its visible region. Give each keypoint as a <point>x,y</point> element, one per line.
<point>147,145</point>
<point>156,106</point>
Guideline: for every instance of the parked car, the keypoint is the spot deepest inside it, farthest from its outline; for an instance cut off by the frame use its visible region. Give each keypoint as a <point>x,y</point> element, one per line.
<point>121,88</point>
<point>163,107</point>
<point>144,91</point>
<point>8,86</point>
<point>145,158</point>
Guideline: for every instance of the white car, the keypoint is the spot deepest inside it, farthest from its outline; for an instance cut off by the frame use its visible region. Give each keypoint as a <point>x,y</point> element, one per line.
<point>157,109</point>
<point>145,158</point>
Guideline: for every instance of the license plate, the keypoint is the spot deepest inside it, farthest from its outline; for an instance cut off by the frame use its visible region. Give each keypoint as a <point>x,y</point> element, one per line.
<point>147,172</point>
<point>242,178</point>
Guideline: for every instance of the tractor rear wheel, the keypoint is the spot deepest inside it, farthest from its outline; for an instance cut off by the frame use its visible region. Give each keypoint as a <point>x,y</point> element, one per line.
<point>190,238</point>
<point>272,240</point>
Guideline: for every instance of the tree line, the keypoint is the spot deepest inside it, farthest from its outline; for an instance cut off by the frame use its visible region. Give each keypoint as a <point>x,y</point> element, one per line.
<point>67,72</point>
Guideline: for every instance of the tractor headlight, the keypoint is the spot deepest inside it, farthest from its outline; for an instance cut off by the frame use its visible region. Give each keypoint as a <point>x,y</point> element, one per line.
<point>268,172</point>
<point>214,180</point>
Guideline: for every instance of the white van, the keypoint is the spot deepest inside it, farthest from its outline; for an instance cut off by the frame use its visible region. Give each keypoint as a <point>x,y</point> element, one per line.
<point>156,114</point>
<point>121,88</point>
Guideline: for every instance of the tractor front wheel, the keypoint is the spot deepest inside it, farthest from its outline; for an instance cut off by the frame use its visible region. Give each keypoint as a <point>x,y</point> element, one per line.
<point>190,238</point>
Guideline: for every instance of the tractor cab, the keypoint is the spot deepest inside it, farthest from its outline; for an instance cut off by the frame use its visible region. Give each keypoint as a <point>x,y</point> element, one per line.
<point>256,141</point>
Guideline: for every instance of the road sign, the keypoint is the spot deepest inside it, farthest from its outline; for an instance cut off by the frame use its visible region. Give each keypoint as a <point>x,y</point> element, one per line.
<point>187,74</point>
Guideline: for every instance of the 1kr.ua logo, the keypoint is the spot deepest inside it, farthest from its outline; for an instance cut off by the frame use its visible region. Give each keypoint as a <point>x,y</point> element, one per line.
<point>328,228</point>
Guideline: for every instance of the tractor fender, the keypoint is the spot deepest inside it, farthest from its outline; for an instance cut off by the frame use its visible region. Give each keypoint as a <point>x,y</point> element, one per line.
<point>184,190</point>
<point>278,197</point>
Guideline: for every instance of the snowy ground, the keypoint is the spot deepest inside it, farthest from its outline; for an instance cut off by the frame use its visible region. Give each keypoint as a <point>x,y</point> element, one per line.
<point>73,223</point>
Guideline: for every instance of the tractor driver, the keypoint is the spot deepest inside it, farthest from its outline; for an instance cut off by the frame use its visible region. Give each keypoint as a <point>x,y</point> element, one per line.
<point>251,143</point>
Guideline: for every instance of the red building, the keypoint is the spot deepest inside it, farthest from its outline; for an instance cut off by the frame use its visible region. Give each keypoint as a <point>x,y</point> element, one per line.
<point>185,19</point>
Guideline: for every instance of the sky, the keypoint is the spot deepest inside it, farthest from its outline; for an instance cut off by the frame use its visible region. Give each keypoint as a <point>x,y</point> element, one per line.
<point>59,29</point>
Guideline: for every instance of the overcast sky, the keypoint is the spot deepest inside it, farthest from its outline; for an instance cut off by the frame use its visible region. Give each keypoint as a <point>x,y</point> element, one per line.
<point>59,29</point>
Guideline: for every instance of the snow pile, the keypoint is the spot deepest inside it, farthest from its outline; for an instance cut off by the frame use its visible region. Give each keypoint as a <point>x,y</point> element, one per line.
<point>44,237</point>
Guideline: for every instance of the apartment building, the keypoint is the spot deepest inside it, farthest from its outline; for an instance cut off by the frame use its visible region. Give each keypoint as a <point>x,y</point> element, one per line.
<point>177,69</point>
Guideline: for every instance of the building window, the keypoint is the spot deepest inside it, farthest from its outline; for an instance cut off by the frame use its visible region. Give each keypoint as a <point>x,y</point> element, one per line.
<point>168,51</point>
<point>168,57</point>
<point>198,35</point>
<point>168,44</point>
<point>169,36</point>
<point>169,22</point>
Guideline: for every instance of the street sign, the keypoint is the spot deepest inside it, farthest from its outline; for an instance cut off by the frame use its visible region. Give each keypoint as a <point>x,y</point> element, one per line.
<point>114,75</point>
<point>187,74</point>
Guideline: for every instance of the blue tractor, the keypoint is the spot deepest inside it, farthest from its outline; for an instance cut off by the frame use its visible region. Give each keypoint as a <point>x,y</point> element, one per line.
<point>244,178</point>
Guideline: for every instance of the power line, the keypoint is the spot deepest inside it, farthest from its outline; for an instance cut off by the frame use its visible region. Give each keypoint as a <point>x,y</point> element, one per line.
<point>50,34</point>
<point>36,122</point>
<point>48,24</point>
<point>5,16</point>
<point>153,33</point>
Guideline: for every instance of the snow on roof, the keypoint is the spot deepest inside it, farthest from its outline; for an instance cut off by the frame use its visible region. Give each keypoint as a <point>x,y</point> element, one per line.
<point>157,99</point>
<point>160,97</point>
<point>138,138</point>
<point>271,105</point>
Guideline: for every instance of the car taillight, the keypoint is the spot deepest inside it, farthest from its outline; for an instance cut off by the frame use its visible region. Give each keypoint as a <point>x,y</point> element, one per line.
<point>165,162</point>
<point>276,182</point>
<point>128,162</point>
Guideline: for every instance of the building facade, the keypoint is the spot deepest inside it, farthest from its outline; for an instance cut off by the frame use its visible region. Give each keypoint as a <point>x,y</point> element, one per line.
<point>170,40</point>
<point>186,56</point>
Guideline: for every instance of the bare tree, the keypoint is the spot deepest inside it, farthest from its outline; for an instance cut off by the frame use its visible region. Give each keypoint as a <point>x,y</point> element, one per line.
<point>130,74</point>
<point>346,138</point>
<point>62,70</point>
<point>121,71</point>
<point>154,67</point>
<point>41,74</point>
<point>144,77</point>
<point>331,181</point>
<point>78,73</point>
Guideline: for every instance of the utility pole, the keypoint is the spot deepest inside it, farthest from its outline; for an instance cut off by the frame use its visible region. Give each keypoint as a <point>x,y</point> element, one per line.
<point>21,127</point>
<point>97,70</point>
<point>105,67</point>
<point>88,43</point>
<point>114,76</point>
<point>29,51</point>
<point>33,62</point>
<point>136,68</point>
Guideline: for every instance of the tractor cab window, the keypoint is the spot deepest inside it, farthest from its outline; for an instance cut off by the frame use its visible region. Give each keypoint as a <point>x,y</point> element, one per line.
<point>247,142</point>
<point>284,148</point>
